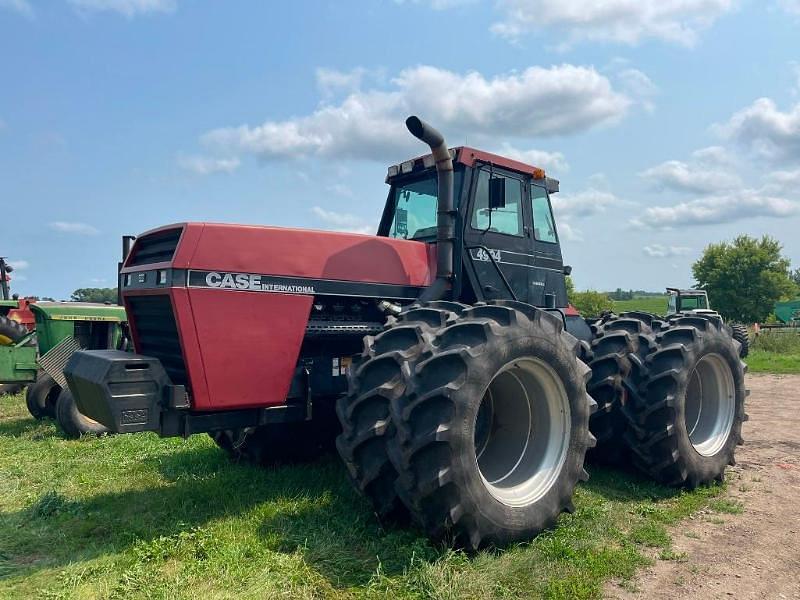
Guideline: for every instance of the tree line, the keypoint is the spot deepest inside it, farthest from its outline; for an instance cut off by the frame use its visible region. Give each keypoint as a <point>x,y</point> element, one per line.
<point>743,278</point>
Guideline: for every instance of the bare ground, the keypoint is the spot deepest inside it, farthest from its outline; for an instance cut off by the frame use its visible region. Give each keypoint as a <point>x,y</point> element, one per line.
<point>755,554</point>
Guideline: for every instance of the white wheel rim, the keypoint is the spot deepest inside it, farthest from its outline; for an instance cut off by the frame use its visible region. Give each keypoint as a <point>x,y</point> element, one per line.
<point>710,405</point>
<point>522,432</point>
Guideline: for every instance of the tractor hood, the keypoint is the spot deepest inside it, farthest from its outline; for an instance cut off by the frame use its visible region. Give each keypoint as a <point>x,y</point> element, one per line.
<point>270,252</point>
<point>209,300</point>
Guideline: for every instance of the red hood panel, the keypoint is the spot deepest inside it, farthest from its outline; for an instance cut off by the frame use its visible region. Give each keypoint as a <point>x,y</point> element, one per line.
<point>305,253</point>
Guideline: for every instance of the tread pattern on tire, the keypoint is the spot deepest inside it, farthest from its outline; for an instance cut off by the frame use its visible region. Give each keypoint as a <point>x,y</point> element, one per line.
<point>741,335</point>
<point>13,330</point>
<point>616,339</point>
<point>375,380</point>
<point>425,447</point>
<point>653,435</point>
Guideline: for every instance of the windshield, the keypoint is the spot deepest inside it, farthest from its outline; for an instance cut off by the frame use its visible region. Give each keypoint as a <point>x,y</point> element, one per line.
<point>415,206</point>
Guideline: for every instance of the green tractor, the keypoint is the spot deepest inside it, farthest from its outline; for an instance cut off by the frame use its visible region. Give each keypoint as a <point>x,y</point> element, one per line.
<point>696,302</point>
<point>16,324</point>
<point>62,328</point>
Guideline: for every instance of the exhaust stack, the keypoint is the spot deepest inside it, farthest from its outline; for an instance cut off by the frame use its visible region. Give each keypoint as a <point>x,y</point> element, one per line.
<point>445,211</point>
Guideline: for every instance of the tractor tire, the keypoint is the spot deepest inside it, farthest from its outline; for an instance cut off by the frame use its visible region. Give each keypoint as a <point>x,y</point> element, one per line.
<point>41,397</point>
<point>72,422</point>
<point>686,414</point>
<point>12,332</point>
<point>616,340</point>
<point>375,379</point>
<point>493,428</point>
<point>740,334</point>
<point>275,443</point>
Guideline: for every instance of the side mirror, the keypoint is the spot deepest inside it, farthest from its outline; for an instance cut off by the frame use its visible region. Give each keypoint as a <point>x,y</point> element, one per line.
<point>497,193</point>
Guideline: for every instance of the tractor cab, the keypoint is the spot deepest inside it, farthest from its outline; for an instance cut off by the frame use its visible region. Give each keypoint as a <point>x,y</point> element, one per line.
<point>505,241</point>
<point>687,301</point>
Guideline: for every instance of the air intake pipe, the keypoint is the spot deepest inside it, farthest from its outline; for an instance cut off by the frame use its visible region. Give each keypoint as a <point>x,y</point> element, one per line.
<point>445,211</point>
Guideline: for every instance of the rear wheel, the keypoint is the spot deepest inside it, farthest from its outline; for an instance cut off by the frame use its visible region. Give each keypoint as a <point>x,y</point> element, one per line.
<point>740,334</point>
<point>492,432</point>
<point>616,340</point>
<point>11,332</point>
<point>688,412</point>
<point>42,396</point>
<point>72,422</point>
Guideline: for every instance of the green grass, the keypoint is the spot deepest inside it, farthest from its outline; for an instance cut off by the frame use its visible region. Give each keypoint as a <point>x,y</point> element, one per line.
<point>775,352</point>
<point>136,516</point>
<point>652,304</point>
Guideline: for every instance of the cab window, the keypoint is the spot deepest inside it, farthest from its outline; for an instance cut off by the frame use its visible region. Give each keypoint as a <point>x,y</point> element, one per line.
<point>544,228</point>
<point>507,220</point>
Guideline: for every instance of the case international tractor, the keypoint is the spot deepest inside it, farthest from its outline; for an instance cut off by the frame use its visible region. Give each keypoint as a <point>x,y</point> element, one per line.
<point>467,390</point>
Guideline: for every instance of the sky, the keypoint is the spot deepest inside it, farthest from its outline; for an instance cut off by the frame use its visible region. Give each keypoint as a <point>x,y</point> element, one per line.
<point>671,124</point>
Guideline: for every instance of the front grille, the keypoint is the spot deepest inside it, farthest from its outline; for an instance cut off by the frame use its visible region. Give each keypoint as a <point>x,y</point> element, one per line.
<point>155,248</point>
<point>155,325</point>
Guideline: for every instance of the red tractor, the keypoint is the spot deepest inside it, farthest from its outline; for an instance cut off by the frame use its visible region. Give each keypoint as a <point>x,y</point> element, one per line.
<point>463,384</point>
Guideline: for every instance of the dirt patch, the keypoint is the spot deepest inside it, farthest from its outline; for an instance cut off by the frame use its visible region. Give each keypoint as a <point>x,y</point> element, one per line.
<point>755,554</point>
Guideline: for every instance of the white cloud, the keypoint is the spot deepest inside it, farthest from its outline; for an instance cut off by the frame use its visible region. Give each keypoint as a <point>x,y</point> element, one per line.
<point>343,221</point>
<point>624,21</point>
<point>638,85</point>
<point>584,204</point>
<point>369,124</point>
<point>19,265</point>
<point>438,4</point>
<point>790,6</point>
<point>330,81</point>
<point>766,129</point>
<point>22,7</point>
<point>714,210</point>
<point>538,158</point>
<point>340,189</point>
<point>127,8</point>
<point>206,166</point>
<point>660,251</point>
<point>685,177</point>
<point>76,228</point>
<point>568,232</point>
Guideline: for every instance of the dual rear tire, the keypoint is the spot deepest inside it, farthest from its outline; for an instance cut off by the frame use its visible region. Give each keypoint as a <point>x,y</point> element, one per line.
<point>479,422</point>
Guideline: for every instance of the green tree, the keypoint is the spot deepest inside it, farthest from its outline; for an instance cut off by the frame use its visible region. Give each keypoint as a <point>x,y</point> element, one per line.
<point>570,288</point>
<point>591,303</point>
<point>744,278</point>
<point>95,295</point>
<point>796,278</point>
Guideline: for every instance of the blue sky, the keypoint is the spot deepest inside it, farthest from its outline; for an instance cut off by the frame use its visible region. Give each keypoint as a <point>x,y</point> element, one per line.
<point>670,123</point>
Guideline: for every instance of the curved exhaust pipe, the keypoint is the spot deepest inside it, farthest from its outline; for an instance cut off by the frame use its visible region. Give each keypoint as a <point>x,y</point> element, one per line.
<point>445,210</point>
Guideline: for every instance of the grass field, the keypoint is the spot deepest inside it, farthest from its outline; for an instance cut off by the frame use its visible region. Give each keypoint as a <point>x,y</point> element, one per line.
<point>652,304</point>
<point>775,352</point>
<point>138,516</point>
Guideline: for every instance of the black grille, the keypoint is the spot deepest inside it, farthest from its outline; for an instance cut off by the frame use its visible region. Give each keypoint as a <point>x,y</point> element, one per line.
<point>154,321</point>
<point>155,248</point>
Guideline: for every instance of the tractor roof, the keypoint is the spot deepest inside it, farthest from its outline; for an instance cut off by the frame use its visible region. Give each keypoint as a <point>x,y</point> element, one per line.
<point>691,292</point>
<point>469,156</point>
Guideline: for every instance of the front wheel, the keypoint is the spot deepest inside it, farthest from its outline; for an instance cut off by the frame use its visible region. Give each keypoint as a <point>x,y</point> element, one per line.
<point>72,422</point>
<point>41,397</point>
<point>492,433</point>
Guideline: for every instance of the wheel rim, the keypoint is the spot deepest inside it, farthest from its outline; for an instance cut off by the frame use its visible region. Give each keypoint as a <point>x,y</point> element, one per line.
<point>522,432</point>
<point>710,405</point>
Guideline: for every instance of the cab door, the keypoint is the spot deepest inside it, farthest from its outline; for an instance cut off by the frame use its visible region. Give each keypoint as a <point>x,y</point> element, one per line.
<point>498,241</point>
<point>547,274</point>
